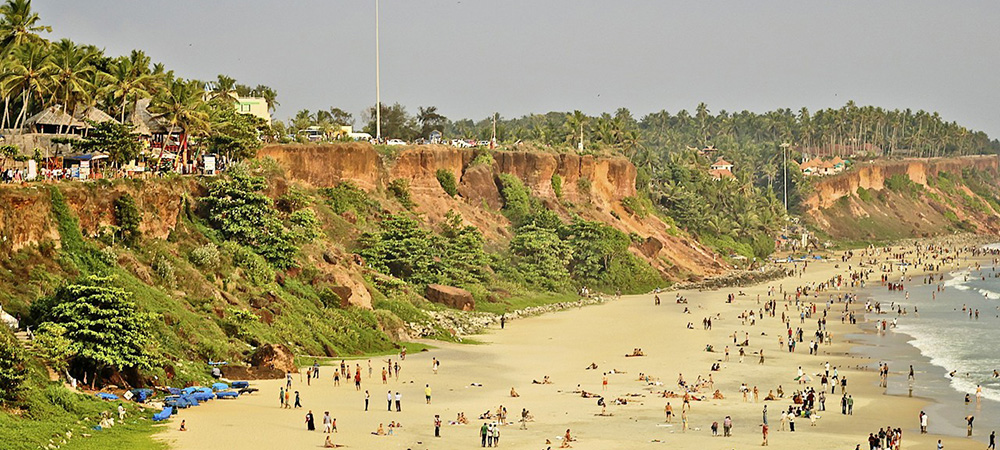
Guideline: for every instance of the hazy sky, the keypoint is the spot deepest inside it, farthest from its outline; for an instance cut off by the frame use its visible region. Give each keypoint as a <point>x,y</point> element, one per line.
<point>473,57</point>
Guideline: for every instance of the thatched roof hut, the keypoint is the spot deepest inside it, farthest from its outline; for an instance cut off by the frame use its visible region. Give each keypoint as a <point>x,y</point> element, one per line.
<point>52,120</point>
<point>92,114</point>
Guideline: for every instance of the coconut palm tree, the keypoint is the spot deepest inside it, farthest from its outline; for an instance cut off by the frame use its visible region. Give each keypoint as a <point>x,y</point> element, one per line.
<point>19,25</point>
<point>183,106</point>
<point>269,95</point>
<point>575,124</point>
<point>31,73</point>
<point>126,82</point>
<point>222,86</point>
<point>72,68</point>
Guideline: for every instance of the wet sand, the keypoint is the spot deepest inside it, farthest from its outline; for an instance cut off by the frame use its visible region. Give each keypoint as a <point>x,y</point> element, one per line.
<point>561,345</point>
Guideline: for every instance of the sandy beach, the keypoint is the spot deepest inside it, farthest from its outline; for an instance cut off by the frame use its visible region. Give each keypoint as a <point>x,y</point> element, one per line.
<point>476,378</point>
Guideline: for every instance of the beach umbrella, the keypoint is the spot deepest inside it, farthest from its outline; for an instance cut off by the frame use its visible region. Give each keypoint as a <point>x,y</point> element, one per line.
<point>805,378</point>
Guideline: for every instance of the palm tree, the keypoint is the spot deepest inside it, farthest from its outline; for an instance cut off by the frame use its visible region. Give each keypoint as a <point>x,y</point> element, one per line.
<point>19,25</point>
<point>127,82</point>
<point>222,86</point>
<point>32,73</point>
<point>269,95</point>
<point>575,124</point>
<point>72,67</point>
<point>183,106</point>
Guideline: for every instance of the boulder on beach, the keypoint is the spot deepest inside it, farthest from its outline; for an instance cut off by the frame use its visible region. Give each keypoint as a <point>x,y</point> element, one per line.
<point>451,297</point>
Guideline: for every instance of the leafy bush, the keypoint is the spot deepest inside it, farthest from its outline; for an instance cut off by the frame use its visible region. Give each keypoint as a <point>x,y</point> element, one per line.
<point>239,320</point>
<point>518,204</point>
<point>206,256</point>
<point>483,158</point>
<point>583,185</point>
<point>400,188</point>
<point>328,298</point>
<point>557,185</point>
<point>637,206</point>
<point>304,226</point>
<point>540,257</point>
<point>52,345</point>
<point>903,184</point>
<point>11,367</point>
<point>237,208</point>
<point>447,181</point>
<point>293,200</point>
<point>164,269</point>
<point>128,218</point>
<point>108,256</point>
<point>255,267</point>
<point>347,196</point>
<point>864,195</point>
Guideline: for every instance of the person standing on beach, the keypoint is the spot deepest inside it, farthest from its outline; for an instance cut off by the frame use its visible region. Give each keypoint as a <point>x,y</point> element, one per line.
<point>604,381</point>
<point>483,432</point>
<point>503,320</point>
<point>763,430</point>
<point>764,414</point>
<point>288,399</point>
<point>427,393</point>
<point>993,441</point>
<point>437,425</point>
<point>281,396</point>
<point>327,422</point>
<point>850,405</point>
<point>399,401</point>
<point>727,427</point>
<point>388,400</point>
<point>298,404</point>
<point>367,397</point>
<point>310,422</point>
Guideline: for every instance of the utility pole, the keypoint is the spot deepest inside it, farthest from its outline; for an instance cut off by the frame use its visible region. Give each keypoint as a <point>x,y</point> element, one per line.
<point>493,140</point>
<point>784,178</point>
<point>378,93</point>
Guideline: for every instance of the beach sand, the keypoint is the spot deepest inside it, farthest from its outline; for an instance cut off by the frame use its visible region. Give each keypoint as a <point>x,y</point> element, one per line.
<point>561,345</point>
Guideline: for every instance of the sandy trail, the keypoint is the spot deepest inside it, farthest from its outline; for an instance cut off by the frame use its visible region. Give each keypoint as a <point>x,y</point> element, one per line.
<point>561,345</point>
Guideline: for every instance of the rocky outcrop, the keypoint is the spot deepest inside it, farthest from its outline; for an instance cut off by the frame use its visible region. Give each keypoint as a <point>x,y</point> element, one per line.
<point>451,297</point>
<point>275,357</point>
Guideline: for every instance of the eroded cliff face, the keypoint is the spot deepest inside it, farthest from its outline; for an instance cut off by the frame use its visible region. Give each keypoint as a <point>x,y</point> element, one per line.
<point>26,219</point>
<point>608,181</point>
<point>836,207</point>
<point>828,190</point>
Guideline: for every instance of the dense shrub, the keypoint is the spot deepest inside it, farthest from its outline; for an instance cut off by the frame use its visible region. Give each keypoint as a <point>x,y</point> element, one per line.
<point>164,269</point>
<point>864,195</point>
<point>206,256</point>
<point>255,267</point>
<point>517,201</point>
<point>636,206</point>
<point>128,218</point>
<point>557,185</point>
<point>447,181</point>
<point>347,196</point>
<point>400,188</point>
<point>11,367</point>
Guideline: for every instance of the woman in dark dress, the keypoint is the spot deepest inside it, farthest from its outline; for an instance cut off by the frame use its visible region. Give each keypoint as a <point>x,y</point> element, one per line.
<point>310,422</point>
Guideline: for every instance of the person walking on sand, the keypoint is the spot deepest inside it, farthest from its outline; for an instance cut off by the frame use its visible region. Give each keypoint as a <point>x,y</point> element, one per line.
<point>281,397</point>
<point>288,399</point>
<point>327,422</point>
<point>993,441</point>
<point>923,422</point>
<point>669,411</point>
<point>684,421</point>
<point>764,414</point>
<point>427,393</point>
<point>483,431</point>
<point>763,430</point>
<point>298,403</point>
<point>310,422</point>
<point>850,405</point>
<point>782,420</point>
<point>727,427</point>
<point>604,381</point>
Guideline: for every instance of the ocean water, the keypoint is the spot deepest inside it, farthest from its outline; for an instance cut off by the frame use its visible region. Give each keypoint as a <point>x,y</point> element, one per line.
<point>940,339</point>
